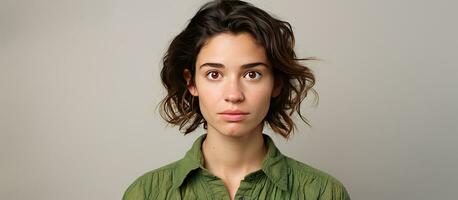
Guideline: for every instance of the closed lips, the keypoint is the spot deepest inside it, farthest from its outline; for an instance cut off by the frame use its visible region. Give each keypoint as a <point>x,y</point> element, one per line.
<point>233,116</point>
<point>234,113</point>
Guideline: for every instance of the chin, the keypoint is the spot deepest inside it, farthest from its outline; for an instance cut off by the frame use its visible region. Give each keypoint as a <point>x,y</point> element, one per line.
<point>236,130</point>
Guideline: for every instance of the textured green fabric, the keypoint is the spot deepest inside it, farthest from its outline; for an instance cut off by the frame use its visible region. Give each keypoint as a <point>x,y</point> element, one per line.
<point>281,177</point>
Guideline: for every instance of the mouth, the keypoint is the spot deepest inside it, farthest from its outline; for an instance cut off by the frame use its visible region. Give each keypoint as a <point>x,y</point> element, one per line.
<point>233,116</point>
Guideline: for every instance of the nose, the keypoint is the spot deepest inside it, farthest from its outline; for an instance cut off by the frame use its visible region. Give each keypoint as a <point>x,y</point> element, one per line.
<point>234,93</point>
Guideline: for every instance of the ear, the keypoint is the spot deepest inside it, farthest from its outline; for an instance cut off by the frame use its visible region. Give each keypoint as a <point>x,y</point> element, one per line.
<point>278,85</point>
<point>191,86</point>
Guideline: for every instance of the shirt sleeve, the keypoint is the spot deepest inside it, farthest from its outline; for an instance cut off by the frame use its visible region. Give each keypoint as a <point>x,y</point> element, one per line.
<point>135,192</point>
<point>334,190</point>
<point>151,185</point>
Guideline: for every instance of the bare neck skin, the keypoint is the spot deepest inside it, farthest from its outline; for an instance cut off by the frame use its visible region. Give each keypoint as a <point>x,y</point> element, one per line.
<point>232,158</point>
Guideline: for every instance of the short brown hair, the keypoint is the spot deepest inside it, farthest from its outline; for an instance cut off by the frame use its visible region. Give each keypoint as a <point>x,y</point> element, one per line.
<point>179,107</point>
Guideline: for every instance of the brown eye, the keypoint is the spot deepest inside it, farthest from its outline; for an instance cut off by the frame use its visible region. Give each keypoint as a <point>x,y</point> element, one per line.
<point>213,75</point>
<point>253,75</point>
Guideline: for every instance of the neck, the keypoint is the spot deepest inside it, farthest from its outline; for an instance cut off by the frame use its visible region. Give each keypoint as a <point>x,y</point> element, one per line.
<point>230,156</point>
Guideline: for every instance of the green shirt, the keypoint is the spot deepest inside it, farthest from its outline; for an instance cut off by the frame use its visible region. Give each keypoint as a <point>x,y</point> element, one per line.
<point>281,177</point>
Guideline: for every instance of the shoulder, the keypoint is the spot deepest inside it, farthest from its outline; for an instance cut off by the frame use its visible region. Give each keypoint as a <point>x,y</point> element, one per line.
<point>312,180</point>
<point>151,183</point>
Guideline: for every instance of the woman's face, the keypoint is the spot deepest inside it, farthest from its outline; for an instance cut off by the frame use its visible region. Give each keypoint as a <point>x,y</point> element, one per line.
<point>234,84</point>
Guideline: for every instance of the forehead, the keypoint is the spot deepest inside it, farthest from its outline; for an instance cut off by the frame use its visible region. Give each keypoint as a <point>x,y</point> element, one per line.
<point>232,49</point>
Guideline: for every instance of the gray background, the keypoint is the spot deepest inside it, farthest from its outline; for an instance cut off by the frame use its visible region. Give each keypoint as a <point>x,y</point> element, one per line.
<point>79,84</point>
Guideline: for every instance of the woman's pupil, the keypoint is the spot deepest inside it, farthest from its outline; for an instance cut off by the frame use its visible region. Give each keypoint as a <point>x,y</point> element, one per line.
<point>214,75</point>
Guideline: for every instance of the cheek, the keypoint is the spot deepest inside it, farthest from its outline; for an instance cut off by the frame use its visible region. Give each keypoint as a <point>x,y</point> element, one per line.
<point>208,98</point>
<point>208,93</point>
<point>205,106</point>
<point>263,90</point>
<point>261,98</point>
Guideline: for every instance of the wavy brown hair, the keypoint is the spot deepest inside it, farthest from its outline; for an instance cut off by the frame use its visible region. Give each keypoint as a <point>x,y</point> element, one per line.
<point>179,107</point>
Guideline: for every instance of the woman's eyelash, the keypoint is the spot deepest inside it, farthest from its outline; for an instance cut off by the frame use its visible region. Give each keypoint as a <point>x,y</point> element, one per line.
<point>213,75</point>
<point>210,74</point>
<point>256,73</point>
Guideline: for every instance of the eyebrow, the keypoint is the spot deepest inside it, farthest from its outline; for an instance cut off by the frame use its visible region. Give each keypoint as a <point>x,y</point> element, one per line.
<point>246,66</point>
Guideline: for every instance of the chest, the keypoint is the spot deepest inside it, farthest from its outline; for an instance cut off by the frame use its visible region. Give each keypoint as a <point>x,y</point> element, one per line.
<point>213,188</point>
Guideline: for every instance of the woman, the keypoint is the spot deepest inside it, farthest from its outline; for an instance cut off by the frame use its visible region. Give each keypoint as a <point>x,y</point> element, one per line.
<point>233,69</point>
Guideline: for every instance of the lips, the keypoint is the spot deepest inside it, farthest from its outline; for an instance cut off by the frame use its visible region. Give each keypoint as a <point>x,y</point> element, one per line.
<point>233,115</point>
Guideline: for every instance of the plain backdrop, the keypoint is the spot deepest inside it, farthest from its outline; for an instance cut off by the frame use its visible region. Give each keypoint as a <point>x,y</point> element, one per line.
<point>79,86</point>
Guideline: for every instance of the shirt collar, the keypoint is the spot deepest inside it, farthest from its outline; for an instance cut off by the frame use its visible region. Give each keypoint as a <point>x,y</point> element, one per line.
<point>273,165</point>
